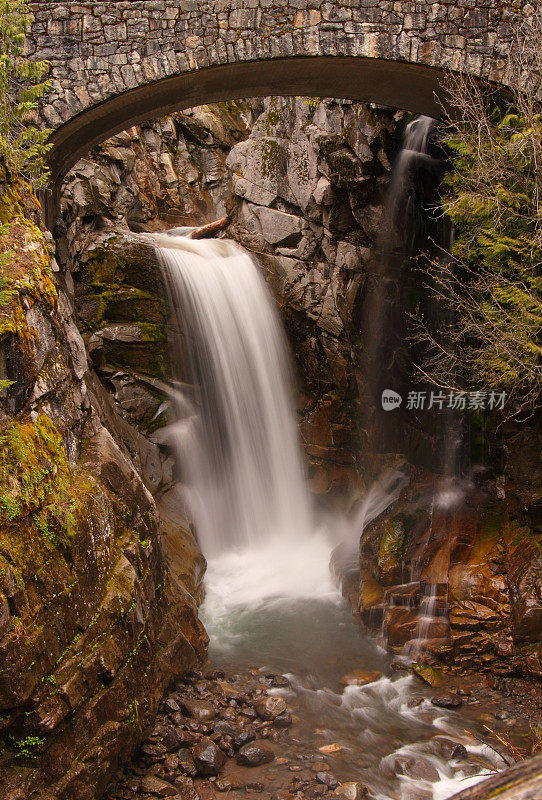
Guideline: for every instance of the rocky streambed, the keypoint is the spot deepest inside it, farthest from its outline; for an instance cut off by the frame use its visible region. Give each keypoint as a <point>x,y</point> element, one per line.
<point>312,730</point>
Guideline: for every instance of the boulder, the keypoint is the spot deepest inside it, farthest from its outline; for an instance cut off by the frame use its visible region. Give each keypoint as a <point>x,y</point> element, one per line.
<point>253,755</point>
<point>270,707</point>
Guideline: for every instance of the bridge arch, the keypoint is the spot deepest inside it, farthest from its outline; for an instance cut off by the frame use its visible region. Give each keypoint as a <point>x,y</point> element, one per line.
<point>117,63</point>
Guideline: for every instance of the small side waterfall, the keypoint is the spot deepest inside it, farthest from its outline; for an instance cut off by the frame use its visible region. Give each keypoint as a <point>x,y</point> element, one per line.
<point>386,358</point>
<point>239,443</point>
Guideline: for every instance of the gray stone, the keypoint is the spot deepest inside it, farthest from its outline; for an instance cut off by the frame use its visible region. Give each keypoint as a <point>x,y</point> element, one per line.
<point>278,227</point>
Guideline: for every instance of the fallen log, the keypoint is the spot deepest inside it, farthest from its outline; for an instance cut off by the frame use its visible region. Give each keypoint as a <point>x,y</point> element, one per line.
<point>211,229</point>
<point>522,781</point>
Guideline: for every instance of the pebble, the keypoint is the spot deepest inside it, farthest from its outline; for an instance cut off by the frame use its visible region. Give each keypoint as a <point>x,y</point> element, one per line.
<point>270,707</point>
<point>242,738</point>
<point>327,779</point>
<point>200,710</point>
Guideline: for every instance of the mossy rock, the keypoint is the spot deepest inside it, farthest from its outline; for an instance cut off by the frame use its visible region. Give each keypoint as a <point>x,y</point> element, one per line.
<point>392,544</point>
<point>145,357</point>
<point>120,304</point>
<point>123,263</point>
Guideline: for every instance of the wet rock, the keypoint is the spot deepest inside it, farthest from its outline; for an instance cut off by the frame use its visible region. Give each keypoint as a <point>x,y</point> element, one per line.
<point>255,786</point>
<point>452,750</point>
<point>185,788</point>
<point>186,763</point>
<point>447,701</point>
<point>242,738</point>
<point>176,738</point>
<point>157,787</point>
<point>171,764</point>
<point>318,790</point>
<point>200,710</point>
<point>230,692</point>
<point>327,779</point>
<point>171,705</point>
<point>526,593</point>
<point>270,707</point>
<point>401,624</point>
<point>360,677</point>
<point>225,728</point>
<point>279,681</point>
<point>352,790</point>
<point>283,720</point>
<point>253,755</point>
<point>418,768</point>
<point>226,784</point>
<point>153,752</point>
<point>208,758</point>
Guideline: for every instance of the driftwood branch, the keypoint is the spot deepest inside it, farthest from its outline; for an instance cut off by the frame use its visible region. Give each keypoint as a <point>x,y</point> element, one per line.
<point>211,229</point>
<point>523,781</point>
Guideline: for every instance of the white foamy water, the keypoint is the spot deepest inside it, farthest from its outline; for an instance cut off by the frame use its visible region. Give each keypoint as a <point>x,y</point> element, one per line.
<point>251,577</point>
<point>240,449</point>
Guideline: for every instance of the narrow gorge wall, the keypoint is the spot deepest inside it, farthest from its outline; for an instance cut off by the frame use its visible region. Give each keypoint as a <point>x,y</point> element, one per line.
<point>96,621</point>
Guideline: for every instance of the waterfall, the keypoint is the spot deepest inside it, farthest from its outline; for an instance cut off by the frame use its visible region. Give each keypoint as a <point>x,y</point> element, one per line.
<point>401,203</point>
<point>237,436</point>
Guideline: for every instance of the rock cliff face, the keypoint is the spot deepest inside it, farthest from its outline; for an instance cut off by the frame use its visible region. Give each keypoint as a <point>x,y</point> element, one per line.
<point>96,621</point>
<point>310,183</point>
<point>455,577</point>
<point>303,182</point>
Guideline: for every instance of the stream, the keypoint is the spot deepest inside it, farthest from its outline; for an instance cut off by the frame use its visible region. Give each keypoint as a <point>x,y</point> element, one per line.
<point>281,613</point>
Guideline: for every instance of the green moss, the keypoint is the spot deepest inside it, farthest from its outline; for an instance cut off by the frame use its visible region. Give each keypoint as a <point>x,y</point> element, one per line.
<point>119,263</point>
<point>348,131</point>
<point>391,545</point>
<point>272,118</point>
<point>27,747</point>
<point>273,158</point>
<point>344,166</point>
<point>158,422</point>
<point>312,102</point>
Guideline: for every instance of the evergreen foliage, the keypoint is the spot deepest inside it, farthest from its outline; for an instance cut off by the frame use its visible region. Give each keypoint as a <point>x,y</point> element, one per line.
<point>491,289</point>
<point>23,145</point>
<point>499,249</point>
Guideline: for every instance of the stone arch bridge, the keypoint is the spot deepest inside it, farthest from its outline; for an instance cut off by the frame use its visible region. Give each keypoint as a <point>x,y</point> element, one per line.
<point>121,62</point>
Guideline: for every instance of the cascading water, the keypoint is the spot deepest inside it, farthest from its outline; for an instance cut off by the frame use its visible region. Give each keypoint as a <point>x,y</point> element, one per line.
<point>237,437</point>
<point>411,220</point>
<point>270,600</point>
<point>241,450</point>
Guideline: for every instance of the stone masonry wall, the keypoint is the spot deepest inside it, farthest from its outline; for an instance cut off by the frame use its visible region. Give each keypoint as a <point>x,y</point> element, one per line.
<point>100,49</point>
